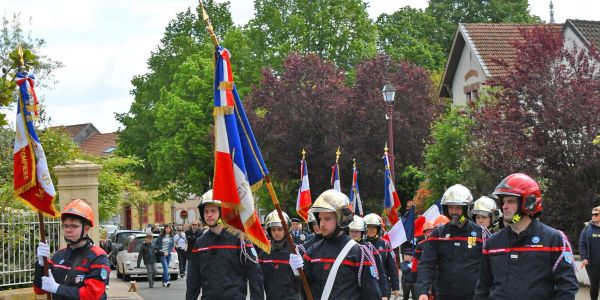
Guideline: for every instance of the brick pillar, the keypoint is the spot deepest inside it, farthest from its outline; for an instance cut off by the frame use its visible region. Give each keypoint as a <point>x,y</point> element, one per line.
<point>78,179</point>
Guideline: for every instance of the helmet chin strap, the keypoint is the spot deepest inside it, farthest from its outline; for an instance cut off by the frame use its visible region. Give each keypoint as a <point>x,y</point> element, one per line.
<point>219,222</point>
<point>82,237</point>
<point>516,218</point>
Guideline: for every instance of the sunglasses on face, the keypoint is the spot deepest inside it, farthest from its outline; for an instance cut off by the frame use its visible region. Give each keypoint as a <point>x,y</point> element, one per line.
<point>595,214</point>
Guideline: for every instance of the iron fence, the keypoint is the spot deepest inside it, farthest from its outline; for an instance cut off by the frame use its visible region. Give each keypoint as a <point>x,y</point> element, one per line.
<point>19,236</point>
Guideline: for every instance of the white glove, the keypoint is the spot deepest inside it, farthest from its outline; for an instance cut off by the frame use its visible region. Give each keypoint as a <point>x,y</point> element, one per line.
<point>296,262</point>
<point>43,250</point>
<point>49,284</point>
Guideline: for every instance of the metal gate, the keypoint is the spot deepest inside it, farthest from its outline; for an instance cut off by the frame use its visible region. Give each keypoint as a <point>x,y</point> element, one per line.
<point>19,236</point>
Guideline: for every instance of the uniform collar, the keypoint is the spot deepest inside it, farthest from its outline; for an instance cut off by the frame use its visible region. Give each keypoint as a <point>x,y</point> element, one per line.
<point>529,231</point>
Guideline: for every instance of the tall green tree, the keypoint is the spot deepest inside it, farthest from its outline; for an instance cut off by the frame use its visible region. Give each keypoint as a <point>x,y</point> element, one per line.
<point>410,34</point>
<point>338,30</point>
<point>168,126</point>
<point>445,161</point>
<point>11,37</point>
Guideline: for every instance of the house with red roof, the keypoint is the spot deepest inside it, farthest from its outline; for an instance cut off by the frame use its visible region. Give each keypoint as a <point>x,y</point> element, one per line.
<point>477,47</point>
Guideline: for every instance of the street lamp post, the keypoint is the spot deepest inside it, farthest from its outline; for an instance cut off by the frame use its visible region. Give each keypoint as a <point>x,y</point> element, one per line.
<point>388,96</point>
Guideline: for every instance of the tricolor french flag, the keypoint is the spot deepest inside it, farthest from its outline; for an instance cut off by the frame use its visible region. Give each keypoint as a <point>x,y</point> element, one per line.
<point>433,211</point>
<point>403,230</point>
<point>238,161</point>
<point>32,182</point>
<point>355,201</point>
<point>335,177</point>
<point>304,200</point>
<point>391,202</point>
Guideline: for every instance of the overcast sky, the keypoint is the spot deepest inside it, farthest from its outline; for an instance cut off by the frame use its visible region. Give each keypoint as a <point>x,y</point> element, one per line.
<point>104,43</point>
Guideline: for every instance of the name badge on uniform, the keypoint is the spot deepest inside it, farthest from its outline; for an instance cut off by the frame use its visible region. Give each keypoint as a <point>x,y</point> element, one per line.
<point>457,244</point>
<point>514,256</point>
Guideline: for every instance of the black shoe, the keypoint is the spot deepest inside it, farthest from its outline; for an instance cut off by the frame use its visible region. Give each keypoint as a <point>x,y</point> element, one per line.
<point>168,284</point>
<point>151,286</point>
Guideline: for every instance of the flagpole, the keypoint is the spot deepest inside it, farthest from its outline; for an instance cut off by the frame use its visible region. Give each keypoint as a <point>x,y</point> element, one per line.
<point>40,215</point>
<point>288,236</point>
<point>267,178</point>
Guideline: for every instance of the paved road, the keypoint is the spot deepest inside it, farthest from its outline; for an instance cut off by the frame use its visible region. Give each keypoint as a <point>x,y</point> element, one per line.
<point>177,290</point>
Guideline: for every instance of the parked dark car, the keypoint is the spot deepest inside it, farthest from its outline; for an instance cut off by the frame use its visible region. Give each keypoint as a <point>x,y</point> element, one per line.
<point>117,240</point>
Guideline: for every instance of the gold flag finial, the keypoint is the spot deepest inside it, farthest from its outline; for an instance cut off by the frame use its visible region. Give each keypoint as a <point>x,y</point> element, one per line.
<point>337,154</point>
<point>385,149</point>
<point>209,27</point>
<point>21,59</point>
<point>303,154</point>
<point>354,165</point>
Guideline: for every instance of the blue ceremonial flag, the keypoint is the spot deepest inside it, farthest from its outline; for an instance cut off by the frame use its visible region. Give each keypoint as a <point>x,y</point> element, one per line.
<point>238,162</point>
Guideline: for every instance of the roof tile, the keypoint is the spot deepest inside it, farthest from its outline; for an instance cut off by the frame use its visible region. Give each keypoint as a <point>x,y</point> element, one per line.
<point>494,42</point>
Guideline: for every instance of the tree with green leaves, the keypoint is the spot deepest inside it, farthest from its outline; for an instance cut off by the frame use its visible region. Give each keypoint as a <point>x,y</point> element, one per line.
<point>338,30</point>
<point>445,156</point>
<point>410,34</point>
<point>168,126</point>
<point>12,37</point>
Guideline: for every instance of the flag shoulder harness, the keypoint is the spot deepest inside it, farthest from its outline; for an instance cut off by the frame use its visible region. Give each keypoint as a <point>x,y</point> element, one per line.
<point>334,269</point>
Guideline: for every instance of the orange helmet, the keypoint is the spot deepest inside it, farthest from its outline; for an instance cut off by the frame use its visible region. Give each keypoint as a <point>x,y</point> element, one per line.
<point>79,208</point>
<point>440,220</point>
<point>428,226</point>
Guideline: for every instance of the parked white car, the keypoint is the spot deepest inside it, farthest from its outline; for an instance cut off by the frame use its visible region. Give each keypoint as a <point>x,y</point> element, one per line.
<point>128,255</point>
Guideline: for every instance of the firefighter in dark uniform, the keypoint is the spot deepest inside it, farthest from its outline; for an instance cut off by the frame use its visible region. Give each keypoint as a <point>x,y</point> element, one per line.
<point>279,280</point>
<point>452,252</point>
<point>298,235</point>
<point>427,230</point>
<point>315,234</point>
<point>80,270</point>
<point>222,265</point>
<point>356,230</point>
<point>486,214</point>
<point>527,259</point>
<point>374,233</point>
<point>355,275</point>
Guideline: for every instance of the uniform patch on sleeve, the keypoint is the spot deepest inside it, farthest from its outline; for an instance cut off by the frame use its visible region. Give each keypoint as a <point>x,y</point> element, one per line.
<point>253,252</point>
<point>374,272</point>
<point>569,257</point>
<point>104,274</point>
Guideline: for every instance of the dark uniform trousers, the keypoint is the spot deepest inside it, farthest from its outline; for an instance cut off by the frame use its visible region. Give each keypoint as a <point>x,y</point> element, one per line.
<point>454,255</point>
<point>521,266</point>
<point>389,263</point>
<point>279,280</point>
<point>354,280</point>
<point>222,266</point>
<point>81,272</point>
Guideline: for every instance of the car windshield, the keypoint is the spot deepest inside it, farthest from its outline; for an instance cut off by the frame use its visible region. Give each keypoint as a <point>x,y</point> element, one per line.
<point>137,243</point>
<point>122,236</point>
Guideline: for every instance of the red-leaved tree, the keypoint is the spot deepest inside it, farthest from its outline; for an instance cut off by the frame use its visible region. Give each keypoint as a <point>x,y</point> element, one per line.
<point>309,105</point>
<point>541,120</point>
